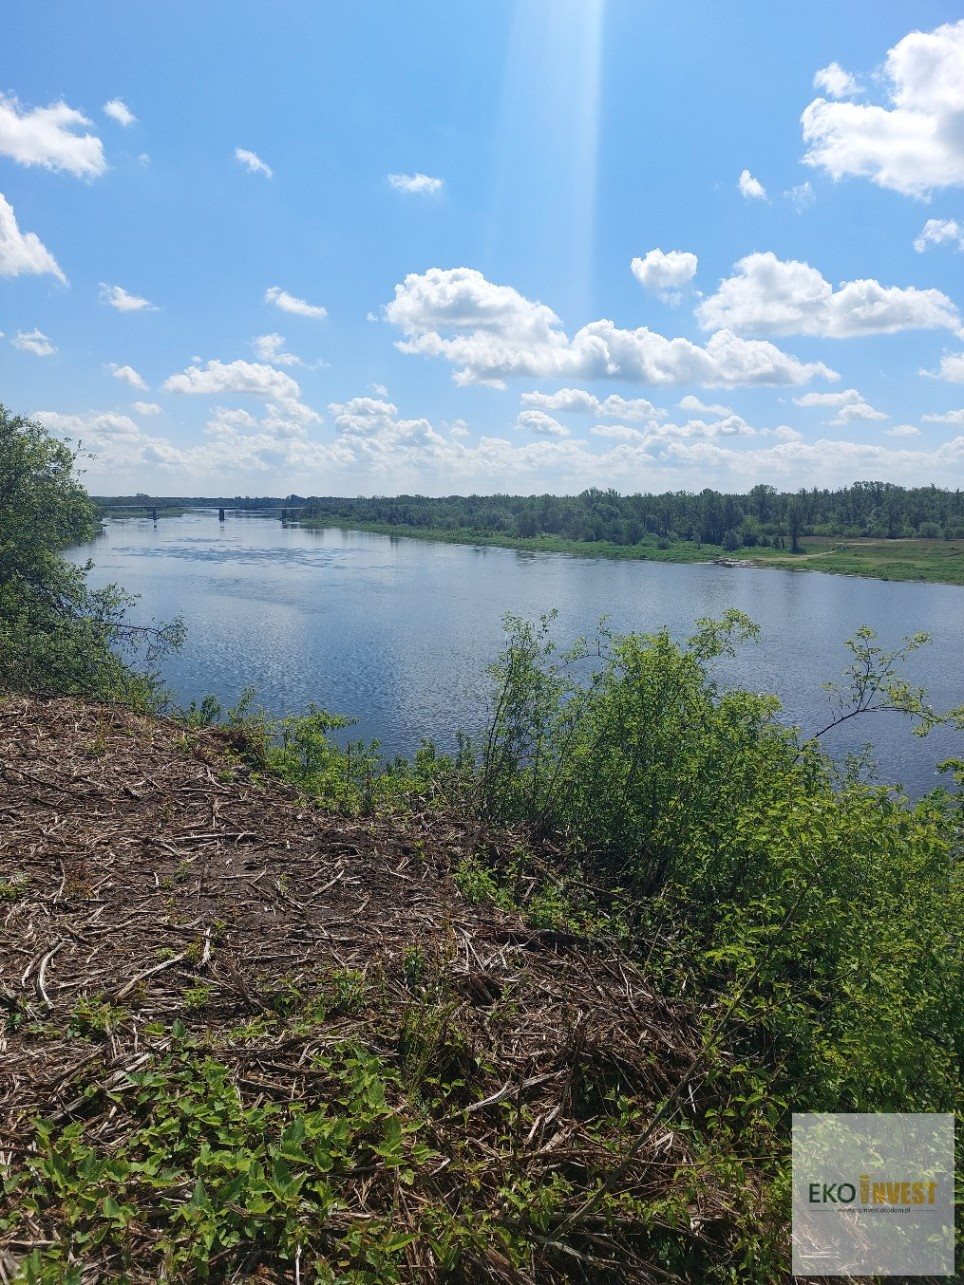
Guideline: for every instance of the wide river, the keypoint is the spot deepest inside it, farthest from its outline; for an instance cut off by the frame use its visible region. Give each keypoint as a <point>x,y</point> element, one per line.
<point>398,632</point>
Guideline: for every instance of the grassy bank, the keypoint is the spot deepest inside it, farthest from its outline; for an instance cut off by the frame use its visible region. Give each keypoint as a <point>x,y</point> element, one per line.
<point>935,561</point>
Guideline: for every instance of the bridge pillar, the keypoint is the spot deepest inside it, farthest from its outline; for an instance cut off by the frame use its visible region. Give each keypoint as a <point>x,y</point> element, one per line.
<point>284,516</point>
<point>220,515</point>
<point>154,514</point>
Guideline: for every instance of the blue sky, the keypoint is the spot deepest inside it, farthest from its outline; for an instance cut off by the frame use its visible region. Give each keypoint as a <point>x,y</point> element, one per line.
<point>527,245</point>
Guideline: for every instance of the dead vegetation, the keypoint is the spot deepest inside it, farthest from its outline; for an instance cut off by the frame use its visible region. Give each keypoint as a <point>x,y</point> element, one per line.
<point>164,910</point>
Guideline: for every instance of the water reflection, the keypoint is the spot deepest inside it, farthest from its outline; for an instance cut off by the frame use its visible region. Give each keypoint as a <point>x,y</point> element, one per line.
<point>398,632</point>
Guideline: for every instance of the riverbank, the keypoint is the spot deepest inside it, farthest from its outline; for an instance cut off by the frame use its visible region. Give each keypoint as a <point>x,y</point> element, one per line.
<point>930,561</point>
<point>245,1037</point>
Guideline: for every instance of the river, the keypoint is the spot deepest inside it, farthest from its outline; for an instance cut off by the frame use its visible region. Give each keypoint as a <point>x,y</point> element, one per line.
<point>398,632</point>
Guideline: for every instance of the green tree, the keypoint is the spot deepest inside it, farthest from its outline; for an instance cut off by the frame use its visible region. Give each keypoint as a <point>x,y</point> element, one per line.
<point>56,633</point>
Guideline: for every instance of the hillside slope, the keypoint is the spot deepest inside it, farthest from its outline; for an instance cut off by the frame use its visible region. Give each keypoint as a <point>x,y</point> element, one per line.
<point>273,1044</point>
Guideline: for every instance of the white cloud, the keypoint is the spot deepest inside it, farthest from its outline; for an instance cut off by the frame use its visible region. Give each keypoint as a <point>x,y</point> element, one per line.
<point>269,348</point>
<point>34,341</point>
<point>729,426</point>
<point>497,333</point>
<point>940,232</point>
<point>774,296</point>
<point>836,82</point>
<point>418,183</point>
<point>118,110</point>
<point>691,403</point>
<point>848,404</point>
<point>378,389</point>
<point>253,162</point>
<point>127,375</point>
<point>913,146</point>
<point>101,425</point>
<point>951,369</point>
<point>751,188</point>
<point>537,421</point>
<point>948,417</point>
<point>146,408</point>
<point>577,401</point>
<point>363,414</point>
<point>45,136</point>
<point>290,303</point>
<point>619,433</point>
<point>903,430</point>
<point>235,377</point>
<point>117,297</point>
<point>376,450</point>
<point>665,272</point>
<point>23,253</point>
<point>802,197</point>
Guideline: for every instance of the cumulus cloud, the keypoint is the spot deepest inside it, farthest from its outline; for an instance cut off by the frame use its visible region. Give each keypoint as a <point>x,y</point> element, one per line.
<point>127,375</point>
<point>951,369</point>
<point>119,298</point>
<point>903,430</point>
<point>252,162</point>
<point>495,333</point>
<point>146,408</point>
<point>948,417</point>
<point>836,82</point>
<point>767,295</point>
<point>34,341</point>
<point>419,184</point>
<point>940,232</point>
<point>375,449</point>
<point>249,377</point>
<point>618,432</point>
<point>666,272</point>
<point>848,404</point>
<point>290,303</point>
<point>23,253</point>
<point>691,403</point>
<point>270,348</point>
<point>101,425</point>
<point>577,401</point>
<point>751,188</point>
<point>363,414</point>
<point>655,433</point>
<point>118,110</point>
<point>47,136</point>
<point>537,421</point>
<point>916,144</point>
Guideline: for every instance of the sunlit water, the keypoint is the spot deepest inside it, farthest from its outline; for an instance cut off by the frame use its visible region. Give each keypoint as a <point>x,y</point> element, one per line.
<point>398,632</point>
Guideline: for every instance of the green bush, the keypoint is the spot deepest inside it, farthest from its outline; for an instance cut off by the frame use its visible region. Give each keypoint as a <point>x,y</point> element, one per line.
<point>57,635</point>
<point>828,913</point>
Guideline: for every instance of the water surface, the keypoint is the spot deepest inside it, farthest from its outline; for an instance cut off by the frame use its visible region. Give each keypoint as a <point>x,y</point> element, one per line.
<point>398,632</point>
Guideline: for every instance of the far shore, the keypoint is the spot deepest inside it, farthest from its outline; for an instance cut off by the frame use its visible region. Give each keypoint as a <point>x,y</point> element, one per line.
<point>929,561</point>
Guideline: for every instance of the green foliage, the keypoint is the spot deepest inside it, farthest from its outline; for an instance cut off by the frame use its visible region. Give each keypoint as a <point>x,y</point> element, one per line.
<point>762,515</point>
<point>828,912</point>
<point>56,633</point>
<point>201,1177</point>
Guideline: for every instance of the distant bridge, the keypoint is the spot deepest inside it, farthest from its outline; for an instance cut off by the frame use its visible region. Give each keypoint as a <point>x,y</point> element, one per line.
<point>285,512</point>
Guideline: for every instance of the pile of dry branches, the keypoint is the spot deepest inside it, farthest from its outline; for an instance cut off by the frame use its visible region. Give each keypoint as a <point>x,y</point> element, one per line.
<point>142,861</point>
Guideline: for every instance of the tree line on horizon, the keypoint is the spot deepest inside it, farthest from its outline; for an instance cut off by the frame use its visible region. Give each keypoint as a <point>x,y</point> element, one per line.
<point>762,516</point>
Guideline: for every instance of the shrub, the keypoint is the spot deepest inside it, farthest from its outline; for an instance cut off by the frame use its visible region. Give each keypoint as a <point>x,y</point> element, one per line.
<point>56,633</point>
